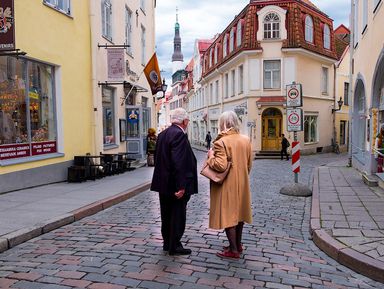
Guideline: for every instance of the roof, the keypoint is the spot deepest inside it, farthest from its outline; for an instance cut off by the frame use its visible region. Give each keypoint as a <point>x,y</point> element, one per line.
<point>203,44</point>
<point>308,2</point>
<point>342,30</point>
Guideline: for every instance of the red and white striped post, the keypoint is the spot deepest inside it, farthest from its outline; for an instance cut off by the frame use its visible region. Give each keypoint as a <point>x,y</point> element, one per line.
<point>296,159</point>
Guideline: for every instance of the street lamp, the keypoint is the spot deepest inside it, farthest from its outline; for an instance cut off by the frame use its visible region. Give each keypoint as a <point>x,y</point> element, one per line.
<point>340,103</point>
<point>164,87</point>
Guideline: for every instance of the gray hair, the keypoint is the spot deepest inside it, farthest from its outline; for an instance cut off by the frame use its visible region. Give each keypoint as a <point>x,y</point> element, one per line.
<point>179,115</point>
<point>229,119</point>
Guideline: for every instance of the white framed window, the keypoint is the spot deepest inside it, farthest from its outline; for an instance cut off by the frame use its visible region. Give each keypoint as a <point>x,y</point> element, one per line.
<point>211,52</point>
<point>241,79</point>
<point>211,96</point>
<point>225,45</point>
<point>108,104</point>
<point>128,30</point>
<point>142,5</point>
<point>106,19</point>
<point>143,45</point>
<point>226,84</point>
<point>239,33</point>
<point>310,129</point>
<point>60,5</point>
<point>232,39</point>
<point>272,74</point>
<point>327,37</point>
<point>272,26</point>
<point>233,83</point>
<point>216,53</point>
<point>308,29</point>
<point>324,80</point>
<point>216,92</point>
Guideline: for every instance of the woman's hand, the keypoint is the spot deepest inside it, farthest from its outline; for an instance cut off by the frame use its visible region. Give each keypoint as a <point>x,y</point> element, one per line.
<point>210,153</point>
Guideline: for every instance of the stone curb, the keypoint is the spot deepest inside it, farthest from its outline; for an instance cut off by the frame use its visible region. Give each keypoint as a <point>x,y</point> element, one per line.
<point>17,237</point>
<point>346,256</point>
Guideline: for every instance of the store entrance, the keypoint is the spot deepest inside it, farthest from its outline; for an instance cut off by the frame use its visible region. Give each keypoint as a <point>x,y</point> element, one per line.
<point>138,122</point>
<point>271,131</point>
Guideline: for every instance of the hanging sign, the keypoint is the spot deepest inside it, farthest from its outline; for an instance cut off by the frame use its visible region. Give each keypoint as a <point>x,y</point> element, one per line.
<point>294,119</point>
<point>7,25</point>
<point>116,63</point>
<point>294,95</point>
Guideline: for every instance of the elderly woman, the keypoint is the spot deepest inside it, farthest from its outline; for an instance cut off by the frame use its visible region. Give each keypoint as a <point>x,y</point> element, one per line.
<point>230,202</point>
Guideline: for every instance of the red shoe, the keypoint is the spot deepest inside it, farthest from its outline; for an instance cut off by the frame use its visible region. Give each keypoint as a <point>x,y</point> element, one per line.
<point>240,249</point>
<point>228,254</point>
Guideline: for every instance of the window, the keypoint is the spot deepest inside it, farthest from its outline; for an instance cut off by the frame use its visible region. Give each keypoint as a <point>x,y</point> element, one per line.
<point>225,45</point>
<point>232,39</point>
<point>217,92</point>
<point>143,47</point>
<point>272,26</point>
<point>128,30</point>
<point>211,96</point>
<point>27,111</point>
<point>226,86</point>
<point>308,29</point>
<point>239,33</point>
<point>346,92</point>
<point>108,116</point>
<point>241,79</point>
<point>272,74</point>
<point>211,57</point>
<point>233,83</point>
<point>342,132</point>
<point>106,19</point>
<point>61,5</point>
<point>327,37</point>
<point>142,5</point>
<point>324,80</point>
<point>216,53</point>
<point>310,129</point>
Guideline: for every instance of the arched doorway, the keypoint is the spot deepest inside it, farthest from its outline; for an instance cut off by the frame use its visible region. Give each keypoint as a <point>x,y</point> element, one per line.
<point>359,122</point>
<point>271,130</point>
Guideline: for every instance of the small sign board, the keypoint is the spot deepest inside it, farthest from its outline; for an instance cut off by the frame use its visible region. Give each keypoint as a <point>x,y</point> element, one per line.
<point>294,119</point>
<point>294,95</point>
<point>7,25</point>
<point>116,65</point>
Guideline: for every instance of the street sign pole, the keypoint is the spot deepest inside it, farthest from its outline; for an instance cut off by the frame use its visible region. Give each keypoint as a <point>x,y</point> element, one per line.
<point>295,139</point>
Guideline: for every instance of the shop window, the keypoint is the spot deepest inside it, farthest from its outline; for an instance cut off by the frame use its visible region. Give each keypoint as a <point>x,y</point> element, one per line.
<point>272,74</point>
<point>108,116</point>
<point>106,19</point>
<point>272,26</point>
<point>27,112</point>
<point>60,5</point>
<point>308,29</point>
<point>310,129</point>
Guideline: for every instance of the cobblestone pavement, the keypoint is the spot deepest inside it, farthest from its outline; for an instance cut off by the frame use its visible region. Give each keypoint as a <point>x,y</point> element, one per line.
<point>121,247</point>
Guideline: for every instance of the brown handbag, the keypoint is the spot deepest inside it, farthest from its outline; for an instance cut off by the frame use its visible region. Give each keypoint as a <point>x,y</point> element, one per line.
<point>213,175</point>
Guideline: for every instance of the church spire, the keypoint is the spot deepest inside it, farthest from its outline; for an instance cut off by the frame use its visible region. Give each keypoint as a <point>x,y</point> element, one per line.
<point>177,56</point>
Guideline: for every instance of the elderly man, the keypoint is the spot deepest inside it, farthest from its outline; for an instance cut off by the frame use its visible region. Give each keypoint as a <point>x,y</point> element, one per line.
<point>175,178</point>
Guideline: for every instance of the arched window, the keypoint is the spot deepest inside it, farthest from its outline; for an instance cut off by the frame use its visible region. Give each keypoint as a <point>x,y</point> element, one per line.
<point>327,37</point>
<point>232,39</point>
<point>211,57</point>
<point>239,33</point>
<point>272,26</point>
<point>216,57</point>
<point>308,29</point>
<point>225,45</point>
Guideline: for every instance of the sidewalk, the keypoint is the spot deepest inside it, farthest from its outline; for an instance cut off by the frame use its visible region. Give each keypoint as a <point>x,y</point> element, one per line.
<point>28,213</point>
<point>347,219</point>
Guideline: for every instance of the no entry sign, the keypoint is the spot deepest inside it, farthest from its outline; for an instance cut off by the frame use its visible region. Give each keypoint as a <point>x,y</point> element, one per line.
<point>294,119</point>
<point>294,95</point>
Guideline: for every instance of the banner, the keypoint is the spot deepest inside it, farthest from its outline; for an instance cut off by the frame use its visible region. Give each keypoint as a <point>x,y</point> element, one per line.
<point>152,73</point>
<point>116,63</point>
<point>7,25</point>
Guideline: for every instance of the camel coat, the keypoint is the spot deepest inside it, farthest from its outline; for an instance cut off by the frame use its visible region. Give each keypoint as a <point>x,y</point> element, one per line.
<point>230,202</point>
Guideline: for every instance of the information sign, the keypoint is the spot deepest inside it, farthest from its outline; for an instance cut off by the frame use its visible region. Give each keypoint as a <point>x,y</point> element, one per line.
<point>294,119</point>
<point>294,95</point>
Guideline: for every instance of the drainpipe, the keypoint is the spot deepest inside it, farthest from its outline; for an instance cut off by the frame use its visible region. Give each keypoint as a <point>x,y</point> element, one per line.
<point>350,98</point>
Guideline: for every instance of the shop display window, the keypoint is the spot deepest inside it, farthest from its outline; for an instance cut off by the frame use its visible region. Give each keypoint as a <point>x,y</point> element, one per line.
<point>27,112</point>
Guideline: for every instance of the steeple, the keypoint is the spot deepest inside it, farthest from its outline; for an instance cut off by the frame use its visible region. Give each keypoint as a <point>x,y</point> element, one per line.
<point>177,56</point>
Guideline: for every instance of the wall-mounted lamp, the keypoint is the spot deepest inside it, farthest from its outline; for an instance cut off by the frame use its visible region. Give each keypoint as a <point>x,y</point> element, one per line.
<point>340,103</point>
<point>164,87</point>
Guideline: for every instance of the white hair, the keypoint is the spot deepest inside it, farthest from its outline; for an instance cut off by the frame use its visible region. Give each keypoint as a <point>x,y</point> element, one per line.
<point>229,119</point>
<point>179,115</point>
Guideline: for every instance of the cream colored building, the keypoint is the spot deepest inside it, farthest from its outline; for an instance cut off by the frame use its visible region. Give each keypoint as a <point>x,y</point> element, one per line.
<point>368,81</point>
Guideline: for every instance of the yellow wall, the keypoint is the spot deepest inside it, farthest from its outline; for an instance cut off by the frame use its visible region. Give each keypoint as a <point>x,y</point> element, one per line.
<point>50,36</point>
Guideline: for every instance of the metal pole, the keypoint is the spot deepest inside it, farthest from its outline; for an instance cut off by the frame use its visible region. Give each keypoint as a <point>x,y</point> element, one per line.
<point>295,139</point>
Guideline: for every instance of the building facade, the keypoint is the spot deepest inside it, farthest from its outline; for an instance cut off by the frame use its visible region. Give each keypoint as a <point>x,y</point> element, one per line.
<point>269,45</point>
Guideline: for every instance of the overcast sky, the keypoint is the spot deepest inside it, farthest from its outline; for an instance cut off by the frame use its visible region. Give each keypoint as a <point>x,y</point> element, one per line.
<point>202,19</point>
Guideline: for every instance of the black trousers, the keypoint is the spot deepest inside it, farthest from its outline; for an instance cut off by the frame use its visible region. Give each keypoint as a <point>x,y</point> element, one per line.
<point>284,151</point>
<point>173,218</point>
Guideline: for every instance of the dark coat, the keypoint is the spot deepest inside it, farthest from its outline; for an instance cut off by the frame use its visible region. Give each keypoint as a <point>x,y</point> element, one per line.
<point>176,165</point>
<point>285,143</point>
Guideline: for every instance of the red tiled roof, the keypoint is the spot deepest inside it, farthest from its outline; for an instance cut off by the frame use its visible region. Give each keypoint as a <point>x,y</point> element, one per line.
<point>203,44</point>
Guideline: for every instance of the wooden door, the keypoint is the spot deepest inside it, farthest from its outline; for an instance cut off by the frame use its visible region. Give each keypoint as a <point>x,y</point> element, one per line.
<point>271,132</point>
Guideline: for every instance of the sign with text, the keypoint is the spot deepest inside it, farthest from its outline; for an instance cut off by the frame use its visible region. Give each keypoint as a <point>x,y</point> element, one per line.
<point>116,63</point>
<point>294,119</point>
<point>7,25</point>
<point>41,148</point>
<point>294,95</point>
<point>14,151</point>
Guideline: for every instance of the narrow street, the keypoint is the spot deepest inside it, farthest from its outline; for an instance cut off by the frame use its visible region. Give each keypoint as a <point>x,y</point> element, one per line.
<point>121,247</point>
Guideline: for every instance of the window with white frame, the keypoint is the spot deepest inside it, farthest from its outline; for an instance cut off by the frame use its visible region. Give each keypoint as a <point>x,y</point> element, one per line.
<point>106,19</point>
<point>211,96</point>
<point>143,46</point>
<point>226,84</point>
<point>324,80</point>
<point>310,129</point>
<point>239,33</point>
<point>327,37</point>
<point>128,29</point>
<point>241,79</point>
<point>225,45</point>
<point>233,83</point>
<point>272,74</point>
<point>211,57</point>
<point>61,5</point>
<point>308,29</point>
<point>216,53</point>
<point>108,116</point>
<point>142,5</point>
<point>272,26</point>
<point>216,92</point>
<point>232,39</point>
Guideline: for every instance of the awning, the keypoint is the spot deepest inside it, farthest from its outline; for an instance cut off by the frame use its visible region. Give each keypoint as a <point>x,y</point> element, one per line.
<point>126,84</point>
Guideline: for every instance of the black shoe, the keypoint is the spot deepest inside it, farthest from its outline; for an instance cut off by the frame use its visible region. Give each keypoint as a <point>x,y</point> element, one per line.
<point>180,251</point>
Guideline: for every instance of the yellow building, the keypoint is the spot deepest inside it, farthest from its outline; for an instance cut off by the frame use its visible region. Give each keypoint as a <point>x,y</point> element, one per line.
<point>46,95</point>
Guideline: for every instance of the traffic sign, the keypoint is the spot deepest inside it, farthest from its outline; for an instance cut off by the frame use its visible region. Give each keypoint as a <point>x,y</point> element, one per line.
<point>294,119</point>
<point>294,95</point>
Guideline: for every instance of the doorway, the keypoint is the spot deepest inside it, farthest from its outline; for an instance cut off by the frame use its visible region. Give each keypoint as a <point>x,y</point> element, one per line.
<point>271,130</point>
<point>138,122</point>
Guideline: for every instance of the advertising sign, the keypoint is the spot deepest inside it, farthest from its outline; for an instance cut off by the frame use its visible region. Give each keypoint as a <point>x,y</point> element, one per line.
<point>116,64</point>
<point>294,119</point>
<point>294,95</point>
<point>7,25</point>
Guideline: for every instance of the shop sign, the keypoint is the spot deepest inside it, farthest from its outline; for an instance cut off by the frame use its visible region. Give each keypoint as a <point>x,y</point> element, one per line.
<point>14,151</point>
<point>41,148</point>
<point>7,25</point>
<point>116,63</point>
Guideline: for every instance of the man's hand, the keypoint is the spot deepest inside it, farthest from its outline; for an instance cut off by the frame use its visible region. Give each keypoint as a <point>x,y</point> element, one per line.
<point>180,193</point>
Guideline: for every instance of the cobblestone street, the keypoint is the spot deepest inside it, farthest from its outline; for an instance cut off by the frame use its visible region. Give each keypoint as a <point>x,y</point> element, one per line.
<point>121,247</point>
